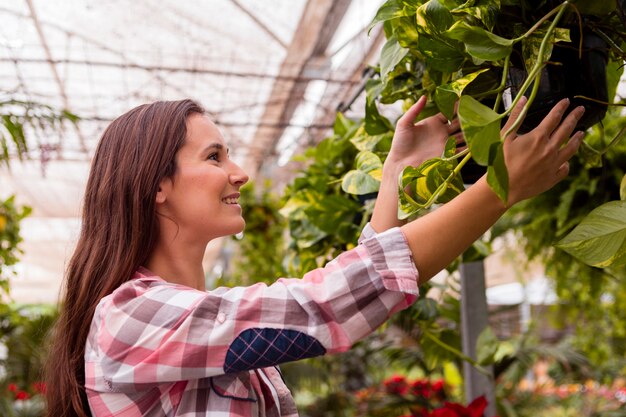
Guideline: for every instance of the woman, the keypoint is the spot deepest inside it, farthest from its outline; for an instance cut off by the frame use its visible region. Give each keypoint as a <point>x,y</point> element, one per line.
<point>140,335</point>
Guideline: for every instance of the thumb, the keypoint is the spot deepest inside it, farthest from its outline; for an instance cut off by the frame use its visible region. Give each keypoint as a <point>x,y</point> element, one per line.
<point>516,113</point>
<point>408,118</point>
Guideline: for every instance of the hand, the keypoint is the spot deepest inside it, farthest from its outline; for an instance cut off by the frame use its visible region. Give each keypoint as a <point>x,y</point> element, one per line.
<point>538,160</point>
<point>414,143</point>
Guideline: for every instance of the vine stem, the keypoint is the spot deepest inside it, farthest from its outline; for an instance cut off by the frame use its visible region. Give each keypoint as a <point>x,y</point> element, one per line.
<point>443,186</point>
<point>535,73</point>
<point>540,22</point>
<point>458,353</point>
<point>500,89</point>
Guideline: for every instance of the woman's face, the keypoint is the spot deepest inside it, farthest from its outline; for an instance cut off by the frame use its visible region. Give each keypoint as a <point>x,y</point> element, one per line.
<point>202,196</point>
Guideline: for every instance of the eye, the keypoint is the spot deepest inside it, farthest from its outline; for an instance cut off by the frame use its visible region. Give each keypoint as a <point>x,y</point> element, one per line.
<point>213,156</point>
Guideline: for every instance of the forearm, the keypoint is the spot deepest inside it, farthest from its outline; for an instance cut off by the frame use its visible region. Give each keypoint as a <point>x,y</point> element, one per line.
<point>385,215</point>
<point>437,238</point>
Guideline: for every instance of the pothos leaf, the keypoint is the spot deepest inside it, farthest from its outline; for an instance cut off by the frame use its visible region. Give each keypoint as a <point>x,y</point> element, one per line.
<point>622,189</point>
<point>486,346</point>
<point>366,177</point>
<point>480,43</point>
<point>440,55</point>
<point>600,239</point>
<point>391,54</point>
<point>369,162</point>
<point>359,183</point>
<point>375,123</point>
<point>486,12</point>
<point>446,95</point>
<point>364,142</point>
<point>433,17</point>
<point>532,45</point>
<point>481,127</point>
<point>392,9</point>
<point>596,8</point>
<point>497,174</point>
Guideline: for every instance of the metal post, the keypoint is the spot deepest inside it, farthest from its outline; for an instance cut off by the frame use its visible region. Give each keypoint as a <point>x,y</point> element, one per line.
<point>473,321</point>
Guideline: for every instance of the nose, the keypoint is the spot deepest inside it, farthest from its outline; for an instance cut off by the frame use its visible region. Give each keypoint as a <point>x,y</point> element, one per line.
<point>237,175</point>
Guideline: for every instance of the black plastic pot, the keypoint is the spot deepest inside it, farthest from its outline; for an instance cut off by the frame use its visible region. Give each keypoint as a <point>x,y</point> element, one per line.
<point>569,76</point>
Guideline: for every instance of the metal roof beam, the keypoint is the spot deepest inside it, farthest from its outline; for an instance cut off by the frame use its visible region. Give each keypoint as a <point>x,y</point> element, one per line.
<point>53,68</point>
<point>318,23</point>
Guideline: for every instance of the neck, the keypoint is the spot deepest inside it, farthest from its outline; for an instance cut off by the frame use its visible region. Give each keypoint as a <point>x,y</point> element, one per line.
<point>180,263</point>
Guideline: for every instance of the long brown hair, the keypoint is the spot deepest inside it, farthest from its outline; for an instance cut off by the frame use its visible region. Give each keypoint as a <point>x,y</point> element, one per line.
<point>119,230</point>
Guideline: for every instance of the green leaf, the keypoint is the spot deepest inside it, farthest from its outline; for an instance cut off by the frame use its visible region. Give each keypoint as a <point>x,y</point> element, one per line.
<point>614,71</point>
<point>485,11</point>
<point>532,45</point>
<point>391,54</point>
<point>595,7</point>
<point>305,233</point>
<point>366,177</point>
<point>591,156</point>
<point>486,346</point>
<point>497,174</point>
<point>600,239</point>
<point>426,309</point>
<point>342,124</point>
<point>368,162</point>
<point>364,142</point>
<point>433,17</point>
<point>481,127</point>
<point>446,95</point>
<point>622,189</point>
<point>440,55</point>
<point>480,43</point>
<point>405,30</point>
<point>375,123</point>
<point>330,212</point>
<point>391,9</point>
<point>359,183</point>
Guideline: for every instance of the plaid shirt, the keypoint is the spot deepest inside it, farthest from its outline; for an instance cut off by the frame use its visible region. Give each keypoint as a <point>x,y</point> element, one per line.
<point>156,348</point>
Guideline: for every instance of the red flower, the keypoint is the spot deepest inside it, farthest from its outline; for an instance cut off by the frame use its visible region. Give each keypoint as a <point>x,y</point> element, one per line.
<point>12,387</point>
<point>21,395</point>
<point>396,385</point>
<point>39,387</point>
<point>438,385</point>
<point>475,409</point>
<point>444,412</point>
<point>421,388</point>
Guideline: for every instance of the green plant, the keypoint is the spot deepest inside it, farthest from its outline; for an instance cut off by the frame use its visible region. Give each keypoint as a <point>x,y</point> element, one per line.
<point>10,217</point>
<point>463,51</point>
<point>23,333</point>
<point>18,115</point>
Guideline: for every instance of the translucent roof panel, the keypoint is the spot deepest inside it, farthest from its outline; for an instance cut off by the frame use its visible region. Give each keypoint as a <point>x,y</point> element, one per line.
<point>270,73</point>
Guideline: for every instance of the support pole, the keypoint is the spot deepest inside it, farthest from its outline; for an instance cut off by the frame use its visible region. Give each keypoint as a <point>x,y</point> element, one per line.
<point>473,321</point>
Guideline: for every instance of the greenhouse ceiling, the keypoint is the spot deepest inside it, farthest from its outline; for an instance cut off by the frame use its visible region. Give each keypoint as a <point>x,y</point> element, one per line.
<point>271,74</point>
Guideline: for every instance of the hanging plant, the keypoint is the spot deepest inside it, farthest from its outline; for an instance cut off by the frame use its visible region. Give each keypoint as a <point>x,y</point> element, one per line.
<point>487,55</point>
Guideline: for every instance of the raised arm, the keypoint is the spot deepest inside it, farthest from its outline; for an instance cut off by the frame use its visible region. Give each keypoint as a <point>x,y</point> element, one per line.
<point>413,143</point>
<point>535,161</point>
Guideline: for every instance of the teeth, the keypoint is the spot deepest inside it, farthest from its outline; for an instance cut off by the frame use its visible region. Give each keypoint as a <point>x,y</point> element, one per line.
<point>230,200</point>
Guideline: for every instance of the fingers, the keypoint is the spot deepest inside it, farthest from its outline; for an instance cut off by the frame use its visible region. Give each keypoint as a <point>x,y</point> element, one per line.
<point>454,126</point>
<point>552,120</point>
<point>565,129</point>
<point>567,151</point>
<point>515,114</point>
<point>411,114</point>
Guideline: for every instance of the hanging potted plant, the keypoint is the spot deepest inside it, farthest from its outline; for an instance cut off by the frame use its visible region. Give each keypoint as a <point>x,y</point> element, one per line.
<point>486,55</point>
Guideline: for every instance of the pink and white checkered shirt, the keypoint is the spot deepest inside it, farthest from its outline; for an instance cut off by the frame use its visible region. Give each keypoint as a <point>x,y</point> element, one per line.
<point>160,349</point>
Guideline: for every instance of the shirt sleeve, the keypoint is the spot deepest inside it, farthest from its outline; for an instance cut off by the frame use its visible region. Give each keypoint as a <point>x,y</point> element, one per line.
<point>161,332</point>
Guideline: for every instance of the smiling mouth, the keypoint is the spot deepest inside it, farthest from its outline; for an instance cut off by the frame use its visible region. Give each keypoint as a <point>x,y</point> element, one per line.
<point>230,200</point>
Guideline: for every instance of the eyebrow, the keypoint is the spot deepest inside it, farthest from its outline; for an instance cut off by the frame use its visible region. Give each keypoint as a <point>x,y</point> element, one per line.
<point>213,146</point>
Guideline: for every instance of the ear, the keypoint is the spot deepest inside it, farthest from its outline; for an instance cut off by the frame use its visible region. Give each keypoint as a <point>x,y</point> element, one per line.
<point>164,188</point>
